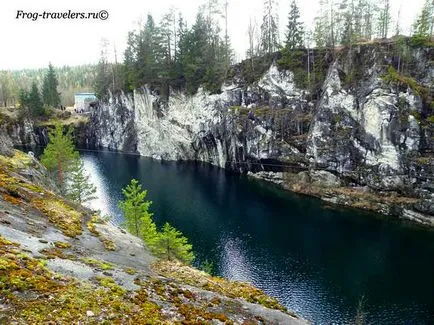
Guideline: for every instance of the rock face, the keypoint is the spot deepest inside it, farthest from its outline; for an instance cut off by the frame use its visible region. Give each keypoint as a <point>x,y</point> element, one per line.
<point>21,133</point>
<point>113,125</point>
<point>369,130</point>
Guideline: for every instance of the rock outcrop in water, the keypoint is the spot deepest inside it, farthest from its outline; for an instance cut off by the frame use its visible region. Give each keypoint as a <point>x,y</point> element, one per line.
<point>366,141</point>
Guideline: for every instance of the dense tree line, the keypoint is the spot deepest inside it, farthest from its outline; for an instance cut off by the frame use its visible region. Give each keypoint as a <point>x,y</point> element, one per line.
<point>70,81</point>
<point>171,54</point>
<point>33,102</point>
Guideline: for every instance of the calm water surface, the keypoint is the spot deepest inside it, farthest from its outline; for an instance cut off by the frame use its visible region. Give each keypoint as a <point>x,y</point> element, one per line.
<point>318,261</point>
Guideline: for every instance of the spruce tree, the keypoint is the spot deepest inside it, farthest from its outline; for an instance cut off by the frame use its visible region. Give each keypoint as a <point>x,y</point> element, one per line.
<point>60,155</point>
<point>50,95</point>
<point>34,102</point>
<point>80,189</point>
<point>294,33</point>
<point>172,244</point>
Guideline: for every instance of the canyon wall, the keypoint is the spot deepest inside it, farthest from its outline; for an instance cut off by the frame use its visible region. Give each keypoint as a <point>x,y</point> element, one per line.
<point>364,138</point>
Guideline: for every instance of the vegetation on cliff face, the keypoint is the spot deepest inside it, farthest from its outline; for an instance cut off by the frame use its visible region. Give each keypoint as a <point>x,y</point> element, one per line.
<point>34,294</point>
<point>63,216</point>
<point>186,274</point>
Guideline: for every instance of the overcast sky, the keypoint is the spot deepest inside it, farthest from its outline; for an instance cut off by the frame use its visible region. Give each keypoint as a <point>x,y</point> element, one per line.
<point>32,44</point>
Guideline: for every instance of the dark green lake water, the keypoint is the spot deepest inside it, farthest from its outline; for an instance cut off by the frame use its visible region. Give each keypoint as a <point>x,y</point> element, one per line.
<point>318,261</point>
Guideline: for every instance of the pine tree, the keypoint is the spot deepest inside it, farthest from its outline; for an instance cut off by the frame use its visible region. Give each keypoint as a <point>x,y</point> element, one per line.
<point>367,12</point>
<point>294,34</point>
<point>207,266</point>
<point>79,187</point>
<point>252,32</point>
<point>103,78</point>
<point>269,28</point>
<point>135,209</point>
<point>24,99</point>
<point>350,28</point>
<point>384,19</point>
<point>60,155</point>
<point>325,25</point>
<point>147,52</point>
<point>424,24</point>
<point>130,74</point>
<point>165,48</point>
<point>171,244</point>
<point>50,95</point>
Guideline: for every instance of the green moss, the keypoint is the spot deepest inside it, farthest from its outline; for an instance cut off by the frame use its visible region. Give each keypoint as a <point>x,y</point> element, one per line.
<point>416,115</point>
<point>19,160</point>
<point>92,228</point>
<point>392,76</point>
<point>130,270</point>
<point>33,188</point>
<point>55,252</point>
<point>65,301</point>
<point>97,263</point>
<point>195,315</point>
<point>109,283</point>
<point>67,219</point>
<point>240,110</point>
<point>108,244</point>
<point>188,275</point>
<point>420,41</point>
<point>61,244</point>
<point>425,160</point>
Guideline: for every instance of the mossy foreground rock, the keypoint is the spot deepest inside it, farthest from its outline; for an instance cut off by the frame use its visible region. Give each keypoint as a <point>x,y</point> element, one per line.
<point>61,264</point>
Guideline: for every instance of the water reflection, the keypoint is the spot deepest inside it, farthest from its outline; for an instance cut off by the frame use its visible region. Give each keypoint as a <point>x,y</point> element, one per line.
<point>317,261</point>
<point>234,261</point>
